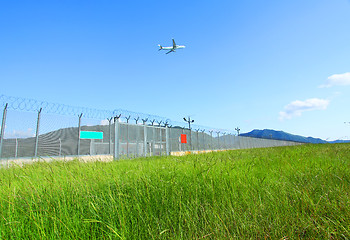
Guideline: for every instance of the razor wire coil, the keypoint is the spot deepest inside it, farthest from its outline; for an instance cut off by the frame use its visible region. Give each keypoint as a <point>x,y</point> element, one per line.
<point>32,105</point>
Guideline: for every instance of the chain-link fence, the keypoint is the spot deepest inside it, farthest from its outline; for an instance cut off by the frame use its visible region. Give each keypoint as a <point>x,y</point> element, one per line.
<point>37,129</point>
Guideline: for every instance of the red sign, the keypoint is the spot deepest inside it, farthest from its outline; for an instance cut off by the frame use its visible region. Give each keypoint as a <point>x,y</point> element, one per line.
<point>183,138</point>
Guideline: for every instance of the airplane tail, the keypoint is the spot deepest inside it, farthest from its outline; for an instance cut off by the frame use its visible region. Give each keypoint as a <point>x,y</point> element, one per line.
<point>160,47</point>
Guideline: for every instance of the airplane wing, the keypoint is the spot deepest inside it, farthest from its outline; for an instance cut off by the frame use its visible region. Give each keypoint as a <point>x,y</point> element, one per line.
<point>174,44</point>
<point>170,51</point>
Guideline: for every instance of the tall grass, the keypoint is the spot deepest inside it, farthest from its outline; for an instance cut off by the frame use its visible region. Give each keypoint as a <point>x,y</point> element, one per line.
<point>278,193</point>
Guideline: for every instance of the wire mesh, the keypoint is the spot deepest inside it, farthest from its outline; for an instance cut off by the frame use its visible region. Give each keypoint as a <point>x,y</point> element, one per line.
<point>19,134</point>
<point>59,132</point>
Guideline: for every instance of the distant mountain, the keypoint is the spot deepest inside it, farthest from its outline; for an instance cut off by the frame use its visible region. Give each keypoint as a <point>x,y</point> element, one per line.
<point>280,135</point>
<point>340,141</point>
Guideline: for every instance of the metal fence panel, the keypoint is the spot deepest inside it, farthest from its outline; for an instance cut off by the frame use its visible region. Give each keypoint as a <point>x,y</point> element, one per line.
<point>19,134</point>
<point>59,135</point>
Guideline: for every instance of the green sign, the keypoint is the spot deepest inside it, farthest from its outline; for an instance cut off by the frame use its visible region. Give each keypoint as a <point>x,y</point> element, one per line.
<point>91,135</point>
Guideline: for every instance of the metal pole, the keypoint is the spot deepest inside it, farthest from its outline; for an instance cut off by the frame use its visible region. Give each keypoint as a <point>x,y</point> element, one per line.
<point>59,153</point>
<point>190,138</point>
<point>79,128</point>
<point>181,144</point>
<point>189,121</point>
<point>153,137</point>
<point>229,141</point>
<point>167,140</point>
<point>203,138</point>
<point>197,140</point>
<point>238,140</point>
<point>110,134</point>
<point>160,138</point>
<point>3,128</point>
<point>116,137</point>
<point>160,141</point>
<point>37,134</point>
<point>144,137</point>
<point>127,136</point>
<point>16,153</point>
<point>211,139</point>
<point>237,129</point>
<point>218,139</point>
<point>137,136</point>
<point>224,140</point>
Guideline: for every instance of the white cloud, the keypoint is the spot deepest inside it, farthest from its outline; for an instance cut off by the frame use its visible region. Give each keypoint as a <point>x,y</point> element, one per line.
<point>337,80</point>
<point>296,108</point>
<point>20,134</point>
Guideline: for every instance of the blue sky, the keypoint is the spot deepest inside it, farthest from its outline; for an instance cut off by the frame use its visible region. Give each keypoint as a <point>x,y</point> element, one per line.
<point>280,65</point>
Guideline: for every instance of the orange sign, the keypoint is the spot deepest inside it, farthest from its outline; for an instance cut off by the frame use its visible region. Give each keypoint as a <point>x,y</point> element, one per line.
<point>183,138</point>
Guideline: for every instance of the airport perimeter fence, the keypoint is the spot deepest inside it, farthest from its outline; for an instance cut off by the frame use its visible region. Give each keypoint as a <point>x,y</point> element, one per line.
<point>32,129</point>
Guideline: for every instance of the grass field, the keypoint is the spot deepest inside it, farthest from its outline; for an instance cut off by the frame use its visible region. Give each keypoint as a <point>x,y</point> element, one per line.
<point>277,193</point>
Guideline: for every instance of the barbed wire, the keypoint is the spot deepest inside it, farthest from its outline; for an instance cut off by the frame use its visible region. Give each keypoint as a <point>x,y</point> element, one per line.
<point>32,105</point>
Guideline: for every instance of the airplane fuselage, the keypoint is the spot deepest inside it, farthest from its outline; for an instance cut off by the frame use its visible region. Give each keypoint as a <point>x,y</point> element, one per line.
<point>171,49</point>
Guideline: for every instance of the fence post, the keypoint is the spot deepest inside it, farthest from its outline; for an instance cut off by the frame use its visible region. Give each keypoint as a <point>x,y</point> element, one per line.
<point>127,135</point>
<point>110,135</point>
<point>160,138</point>
<point>37,133</point>
<point>144,137</point>
<point>191,148</point>
<point>197,130</point>
<point>203,139</point>
<point>167,143</point>
<point>229,141</point>
<point>116,137</point>
<point>182,148</point>
<point>60,151</point>
<point>211,140</point>
<point>218,139</point>
<point>137,136</point>
<point>224,141</point>
<point>3,128</point>
<point>169,138</point>
<point>16,150</point>
<point>154,133</point>
<point>79,128</point>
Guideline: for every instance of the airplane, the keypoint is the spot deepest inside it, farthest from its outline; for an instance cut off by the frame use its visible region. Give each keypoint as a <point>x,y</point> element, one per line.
<point>171,49</point>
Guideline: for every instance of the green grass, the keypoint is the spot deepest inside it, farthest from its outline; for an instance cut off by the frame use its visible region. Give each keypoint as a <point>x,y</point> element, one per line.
<point>277,193</point>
